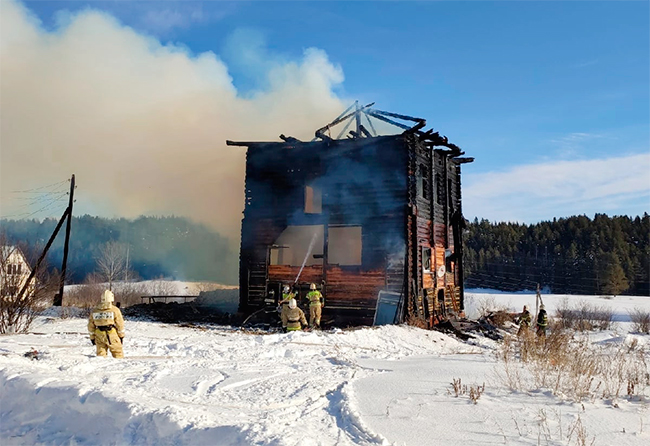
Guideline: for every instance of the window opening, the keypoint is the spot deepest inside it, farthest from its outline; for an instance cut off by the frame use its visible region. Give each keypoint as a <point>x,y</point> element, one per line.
<point>344,245</point>
<point>295,243</point>
<point>440,189</point>
<point>426,259</point>
<point>449,257</point>
<point>424,180</point>
<point>313,200</point>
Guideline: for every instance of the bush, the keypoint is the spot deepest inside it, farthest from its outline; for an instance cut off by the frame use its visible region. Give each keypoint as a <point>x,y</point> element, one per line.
<point>583,316</point>
<point>640,320</point>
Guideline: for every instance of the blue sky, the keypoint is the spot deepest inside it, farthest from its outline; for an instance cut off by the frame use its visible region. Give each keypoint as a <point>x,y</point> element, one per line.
<point>521,86</point>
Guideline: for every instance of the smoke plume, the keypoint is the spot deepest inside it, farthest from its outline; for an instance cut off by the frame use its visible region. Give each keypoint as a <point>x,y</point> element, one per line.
<point>142,124</point>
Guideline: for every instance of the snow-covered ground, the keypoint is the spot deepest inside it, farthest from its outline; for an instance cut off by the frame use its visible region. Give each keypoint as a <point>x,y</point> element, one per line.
<point>221,386</point>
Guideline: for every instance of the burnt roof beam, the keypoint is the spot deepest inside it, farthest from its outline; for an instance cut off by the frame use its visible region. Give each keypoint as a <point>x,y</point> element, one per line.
<point>398,116</point>
<point>364,131</point>
<point>372,127</point>
<point>289,139</point>
<point>320,132</point>
<point>390,121</point>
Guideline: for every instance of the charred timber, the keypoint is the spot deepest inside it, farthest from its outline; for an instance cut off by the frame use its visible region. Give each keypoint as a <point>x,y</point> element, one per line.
<point>359,217</point>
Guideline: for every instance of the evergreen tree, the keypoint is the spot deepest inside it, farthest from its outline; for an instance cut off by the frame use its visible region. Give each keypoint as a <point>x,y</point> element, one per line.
<point>613,280</point>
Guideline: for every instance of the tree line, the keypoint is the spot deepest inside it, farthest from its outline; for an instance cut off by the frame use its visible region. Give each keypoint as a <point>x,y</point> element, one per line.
<point>575,255</point>
<point>151,247</point>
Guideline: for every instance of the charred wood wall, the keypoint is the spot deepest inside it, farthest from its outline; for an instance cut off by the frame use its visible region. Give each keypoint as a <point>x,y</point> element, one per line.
<point>363,183</point>
<point>402,191</point>
<point>434,200</point>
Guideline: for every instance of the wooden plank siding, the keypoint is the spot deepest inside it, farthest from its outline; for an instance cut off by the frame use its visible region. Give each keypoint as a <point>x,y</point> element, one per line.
<point>363,183</point>
<point>400,190</point>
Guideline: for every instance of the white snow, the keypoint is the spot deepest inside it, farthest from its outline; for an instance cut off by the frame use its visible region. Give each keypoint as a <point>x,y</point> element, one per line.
<point>215,385</point>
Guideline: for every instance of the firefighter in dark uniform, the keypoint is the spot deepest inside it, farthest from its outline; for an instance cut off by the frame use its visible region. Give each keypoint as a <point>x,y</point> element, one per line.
<point>542,322</point>
<point>525,319</point>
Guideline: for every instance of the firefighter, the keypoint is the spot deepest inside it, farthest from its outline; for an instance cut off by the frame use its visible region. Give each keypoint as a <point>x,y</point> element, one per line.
<point>287,295</point>
<point>542,322</point>
<point>293,319</point>
<point>524,321</point>
<point>106,327</point>
<point>316,303</point>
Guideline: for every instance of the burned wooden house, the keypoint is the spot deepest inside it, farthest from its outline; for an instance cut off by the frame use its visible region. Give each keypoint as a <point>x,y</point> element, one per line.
<point>374,221</point>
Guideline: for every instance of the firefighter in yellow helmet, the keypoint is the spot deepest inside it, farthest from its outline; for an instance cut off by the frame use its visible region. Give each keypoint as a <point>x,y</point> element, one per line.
<point>316,303</point>
<point>106,327</point>
<point>287,295</point>
<point>293,319</point>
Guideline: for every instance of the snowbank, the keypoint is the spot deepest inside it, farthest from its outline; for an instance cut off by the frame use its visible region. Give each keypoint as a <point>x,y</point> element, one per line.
<point>217,385</point>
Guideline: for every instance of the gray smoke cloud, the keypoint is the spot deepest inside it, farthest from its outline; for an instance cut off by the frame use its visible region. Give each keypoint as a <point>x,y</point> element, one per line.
<point>142,125</point>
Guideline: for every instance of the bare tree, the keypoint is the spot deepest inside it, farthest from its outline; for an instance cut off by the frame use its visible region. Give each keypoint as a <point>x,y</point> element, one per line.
<point>111,262</point>
<point>18,311</point>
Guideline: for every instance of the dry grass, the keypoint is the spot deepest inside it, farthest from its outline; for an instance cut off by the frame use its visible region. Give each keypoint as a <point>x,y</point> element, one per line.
<point>572,368</point>
<point>87,296</point>
<point>583,316</point>
<point>474,392</point>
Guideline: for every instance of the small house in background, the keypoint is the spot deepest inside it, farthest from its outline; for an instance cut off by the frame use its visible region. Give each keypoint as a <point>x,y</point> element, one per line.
<point>14,272</point>
<point>374,221</point>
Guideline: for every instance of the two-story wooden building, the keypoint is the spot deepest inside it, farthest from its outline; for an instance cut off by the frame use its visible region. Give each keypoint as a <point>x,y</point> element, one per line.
<point>374,221</point>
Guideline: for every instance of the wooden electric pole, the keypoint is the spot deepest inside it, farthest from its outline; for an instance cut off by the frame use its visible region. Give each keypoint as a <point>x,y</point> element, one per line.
<point>58,299</point>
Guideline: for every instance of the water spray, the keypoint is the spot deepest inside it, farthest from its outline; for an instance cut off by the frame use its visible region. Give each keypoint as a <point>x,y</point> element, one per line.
<point>311,246</point>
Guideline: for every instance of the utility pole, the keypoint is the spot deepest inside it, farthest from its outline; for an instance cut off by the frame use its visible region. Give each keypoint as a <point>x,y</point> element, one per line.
<point>58,299</point>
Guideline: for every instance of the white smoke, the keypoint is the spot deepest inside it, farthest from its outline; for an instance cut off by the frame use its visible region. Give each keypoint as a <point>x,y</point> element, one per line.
<point>142,125</point>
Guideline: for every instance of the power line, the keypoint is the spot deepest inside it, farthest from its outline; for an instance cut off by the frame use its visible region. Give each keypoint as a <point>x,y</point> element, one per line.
<point>38,188</point>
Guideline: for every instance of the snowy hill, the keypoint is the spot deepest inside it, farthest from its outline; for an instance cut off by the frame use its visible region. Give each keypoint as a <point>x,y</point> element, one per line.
<point>221,386</point>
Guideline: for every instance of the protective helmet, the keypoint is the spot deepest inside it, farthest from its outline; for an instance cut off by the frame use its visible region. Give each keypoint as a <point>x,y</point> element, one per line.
<point>312,286</point>
<point>541,307</point>
<point>285,289</point>
<point>525,307</point>
<point>292,304</point>
<point>108,296</point>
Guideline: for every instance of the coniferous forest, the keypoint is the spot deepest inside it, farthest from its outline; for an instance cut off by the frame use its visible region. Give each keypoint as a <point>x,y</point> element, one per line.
<point>575,255</point>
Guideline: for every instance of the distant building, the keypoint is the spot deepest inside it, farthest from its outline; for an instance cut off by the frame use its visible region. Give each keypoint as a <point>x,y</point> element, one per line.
<point>14,272</point>
<point>374,221</point>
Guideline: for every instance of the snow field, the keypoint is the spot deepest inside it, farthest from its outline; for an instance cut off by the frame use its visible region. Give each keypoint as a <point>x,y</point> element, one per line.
<point>215,385</point>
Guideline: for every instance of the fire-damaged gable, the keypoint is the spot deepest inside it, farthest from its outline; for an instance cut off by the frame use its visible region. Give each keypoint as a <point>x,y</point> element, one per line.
<point>374,221</point>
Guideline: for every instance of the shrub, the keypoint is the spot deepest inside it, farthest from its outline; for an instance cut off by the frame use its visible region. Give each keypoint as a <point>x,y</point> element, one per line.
<point>583,316</point>
<point>640,320</point>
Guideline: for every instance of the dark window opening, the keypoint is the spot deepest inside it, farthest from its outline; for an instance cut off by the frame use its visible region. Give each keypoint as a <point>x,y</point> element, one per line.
<point>449,258</point>
<point>440,189</point>
<point>424,182</point>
